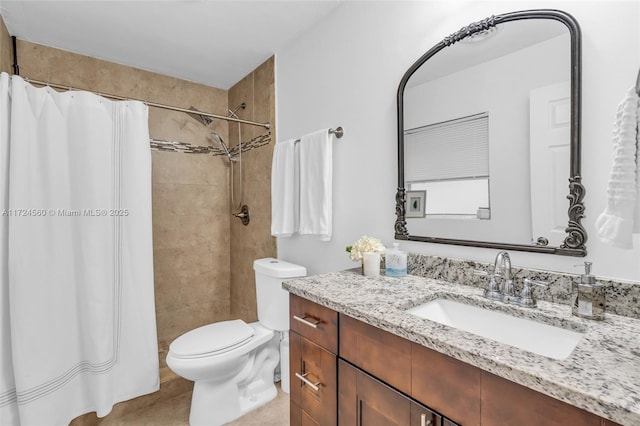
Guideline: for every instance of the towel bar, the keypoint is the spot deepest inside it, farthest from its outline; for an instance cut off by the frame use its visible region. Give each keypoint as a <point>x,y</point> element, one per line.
<point>338,132</point>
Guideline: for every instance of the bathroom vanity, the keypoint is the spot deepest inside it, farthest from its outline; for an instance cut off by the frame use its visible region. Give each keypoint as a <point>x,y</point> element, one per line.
<point>358,357</point>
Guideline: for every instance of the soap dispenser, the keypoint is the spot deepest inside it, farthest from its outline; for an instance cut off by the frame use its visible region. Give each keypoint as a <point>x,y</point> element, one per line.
<point>395,261</point>
<point>588,296</point>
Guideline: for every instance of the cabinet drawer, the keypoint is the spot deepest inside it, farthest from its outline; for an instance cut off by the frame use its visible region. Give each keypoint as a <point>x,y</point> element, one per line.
<point>315,322</point>
<point>380,353</point>
<point>447,385</point>
<point>313,373</point>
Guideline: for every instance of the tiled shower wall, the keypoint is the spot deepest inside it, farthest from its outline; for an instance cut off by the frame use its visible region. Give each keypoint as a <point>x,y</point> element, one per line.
<point>6,51</point>
<point>253,241</point>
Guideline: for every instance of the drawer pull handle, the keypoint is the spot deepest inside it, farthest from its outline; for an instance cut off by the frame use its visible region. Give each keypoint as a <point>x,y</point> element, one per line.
<point>303,377</point>
<point>305,321</point>
<point>424,421</point>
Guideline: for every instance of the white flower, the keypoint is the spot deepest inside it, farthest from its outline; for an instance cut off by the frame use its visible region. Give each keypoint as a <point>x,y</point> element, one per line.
<point>365,244</point>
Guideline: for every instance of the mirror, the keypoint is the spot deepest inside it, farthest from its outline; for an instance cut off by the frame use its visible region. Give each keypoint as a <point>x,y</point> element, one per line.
<point>489,137</point>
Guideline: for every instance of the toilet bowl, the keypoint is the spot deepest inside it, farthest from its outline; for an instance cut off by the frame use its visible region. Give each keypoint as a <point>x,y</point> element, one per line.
<point>231,362</point>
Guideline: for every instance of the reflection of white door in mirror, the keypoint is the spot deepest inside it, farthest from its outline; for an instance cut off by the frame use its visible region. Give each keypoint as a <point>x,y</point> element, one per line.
<point>550,121</point>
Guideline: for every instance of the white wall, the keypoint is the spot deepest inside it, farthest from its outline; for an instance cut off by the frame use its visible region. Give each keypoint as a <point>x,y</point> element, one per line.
<point>345,71</point>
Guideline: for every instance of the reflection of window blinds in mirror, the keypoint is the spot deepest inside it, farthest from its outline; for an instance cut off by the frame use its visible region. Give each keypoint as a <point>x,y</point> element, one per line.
<point>453,149</point>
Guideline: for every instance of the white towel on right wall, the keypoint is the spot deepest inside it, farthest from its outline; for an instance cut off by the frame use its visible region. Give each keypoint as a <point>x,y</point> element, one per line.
<point>615,225</point>
<point>316,180</point>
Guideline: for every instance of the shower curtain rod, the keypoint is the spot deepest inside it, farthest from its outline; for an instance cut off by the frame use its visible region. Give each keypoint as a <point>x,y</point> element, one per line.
<point>151,104</point>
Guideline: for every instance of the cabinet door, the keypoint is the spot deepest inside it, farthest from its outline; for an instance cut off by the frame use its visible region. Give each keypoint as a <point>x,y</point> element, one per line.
<point>313,372</point>
<point>365,401</point>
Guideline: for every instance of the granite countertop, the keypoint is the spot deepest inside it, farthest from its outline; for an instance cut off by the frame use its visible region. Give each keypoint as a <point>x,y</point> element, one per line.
<point>602,374</point>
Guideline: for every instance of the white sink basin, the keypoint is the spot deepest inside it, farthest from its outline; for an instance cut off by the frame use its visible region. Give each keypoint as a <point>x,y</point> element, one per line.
<point>532,336</point>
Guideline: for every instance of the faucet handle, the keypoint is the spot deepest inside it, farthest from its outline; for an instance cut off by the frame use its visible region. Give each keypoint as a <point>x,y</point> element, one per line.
<point>528,282</point>
<point>526,295</point>
<point>492,289</point>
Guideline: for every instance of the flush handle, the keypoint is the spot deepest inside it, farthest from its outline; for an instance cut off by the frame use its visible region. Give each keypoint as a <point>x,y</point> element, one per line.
<point>305,321</point>
<point>303,377</point>
<point>424,421</point>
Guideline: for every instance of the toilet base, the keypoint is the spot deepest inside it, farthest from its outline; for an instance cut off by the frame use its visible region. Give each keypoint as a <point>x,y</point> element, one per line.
<point>224,405</point>
<point>214,403</point>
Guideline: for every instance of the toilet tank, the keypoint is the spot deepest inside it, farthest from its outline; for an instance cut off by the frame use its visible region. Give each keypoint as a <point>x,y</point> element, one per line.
<point>273,300</point>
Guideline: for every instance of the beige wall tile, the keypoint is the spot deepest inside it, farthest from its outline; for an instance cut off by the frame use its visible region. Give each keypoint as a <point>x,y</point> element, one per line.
<point>6,49</point>
<point>183,262</point>
<point>167,232</point>
<point>198,200</point>
<point>194,229</point>
<point>164,167</point>
<point>164,197</point>
<point>253,241</point>
<point>70,72</point>
<point>34,60</point>
<point>202,169</point>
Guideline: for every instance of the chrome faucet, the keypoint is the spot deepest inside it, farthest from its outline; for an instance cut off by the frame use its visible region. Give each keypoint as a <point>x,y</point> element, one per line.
<point>501,272</point>
<point>502,268</point>
<point>501,284</point>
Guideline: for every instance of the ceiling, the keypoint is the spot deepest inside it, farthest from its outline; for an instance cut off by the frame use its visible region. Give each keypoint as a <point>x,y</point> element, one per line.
<point>212,42</point>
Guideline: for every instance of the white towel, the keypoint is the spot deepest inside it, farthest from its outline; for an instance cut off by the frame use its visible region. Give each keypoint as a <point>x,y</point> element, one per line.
<point>285,189</point>
<point>615,225</point>
<point>316,179</point>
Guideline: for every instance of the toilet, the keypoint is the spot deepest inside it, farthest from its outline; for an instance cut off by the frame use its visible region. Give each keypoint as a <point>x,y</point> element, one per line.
<point>231,362</point>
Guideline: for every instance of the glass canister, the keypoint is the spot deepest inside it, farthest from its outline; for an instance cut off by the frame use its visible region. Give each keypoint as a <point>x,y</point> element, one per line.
<point>395,261</point>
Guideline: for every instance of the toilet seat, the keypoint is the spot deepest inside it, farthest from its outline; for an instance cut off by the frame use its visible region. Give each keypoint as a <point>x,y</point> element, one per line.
<point>212,339</point>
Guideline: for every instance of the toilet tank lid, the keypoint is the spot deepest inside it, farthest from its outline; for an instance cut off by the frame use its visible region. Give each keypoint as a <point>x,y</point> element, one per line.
<point>211,338</point>
<point>278,268</point>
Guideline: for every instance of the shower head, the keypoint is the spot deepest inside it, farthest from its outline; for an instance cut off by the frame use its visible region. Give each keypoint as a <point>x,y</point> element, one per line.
<point>199,117</point>
<point>217,138</point>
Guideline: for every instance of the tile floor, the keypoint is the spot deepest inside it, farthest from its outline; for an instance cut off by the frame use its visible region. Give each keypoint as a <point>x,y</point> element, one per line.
<point>175,412</point>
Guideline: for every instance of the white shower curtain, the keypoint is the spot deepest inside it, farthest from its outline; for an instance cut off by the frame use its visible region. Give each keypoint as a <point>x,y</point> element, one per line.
<point>77,305</point>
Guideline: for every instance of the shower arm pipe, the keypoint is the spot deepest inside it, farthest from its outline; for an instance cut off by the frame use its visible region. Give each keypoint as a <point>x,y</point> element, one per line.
<point>151,104</point>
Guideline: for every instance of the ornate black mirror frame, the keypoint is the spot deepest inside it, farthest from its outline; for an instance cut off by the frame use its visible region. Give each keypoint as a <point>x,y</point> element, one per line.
<point>576,235</point>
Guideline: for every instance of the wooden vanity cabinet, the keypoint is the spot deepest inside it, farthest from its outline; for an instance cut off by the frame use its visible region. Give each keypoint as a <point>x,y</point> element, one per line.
<point>465,394</point>
<point>383,379</point>
<point>313,343</point>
